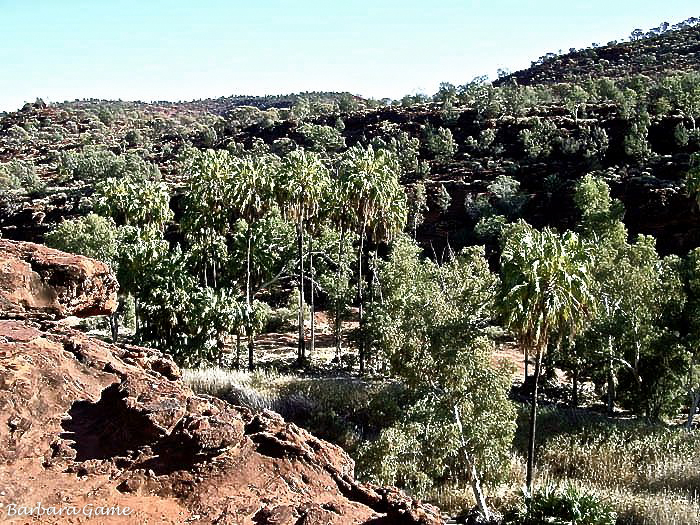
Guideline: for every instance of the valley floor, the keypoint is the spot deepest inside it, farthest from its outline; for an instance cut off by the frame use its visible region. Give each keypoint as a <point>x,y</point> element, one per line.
<point>649,474</point>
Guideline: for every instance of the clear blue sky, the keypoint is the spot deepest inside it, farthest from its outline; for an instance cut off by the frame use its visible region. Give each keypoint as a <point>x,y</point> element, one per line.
<point>181,50</point>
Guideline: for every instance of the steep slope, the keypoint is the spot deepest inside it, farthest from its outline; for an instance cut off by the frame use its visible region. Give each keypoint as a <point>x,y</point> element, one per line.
<point>654,53</point>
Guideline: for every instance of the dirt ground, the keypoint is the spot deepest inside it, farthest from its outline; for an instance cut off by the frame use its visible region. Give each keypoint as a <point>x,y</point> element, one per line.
<point>279,349</point>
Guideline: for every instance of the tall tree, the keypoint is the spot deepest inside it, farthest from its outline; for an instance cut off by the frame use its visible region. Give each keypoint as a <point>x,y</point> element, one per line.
<point>431,328</point>
<point>252,194</point>
<point>369,184</point>
<point>546,289</point>
<point>303,185</point>
<point>208,216</point>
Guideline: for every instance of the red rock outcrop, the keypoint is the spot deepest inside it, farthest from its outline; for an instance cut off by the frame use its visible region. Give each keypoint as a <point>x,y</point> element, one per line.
<point>86,424</point>
<point>36,281</point>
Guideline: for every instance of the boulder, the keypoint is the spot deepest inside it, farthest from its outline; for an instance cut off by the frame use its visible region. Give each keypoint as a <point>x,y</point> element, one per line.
<point>39,282</point>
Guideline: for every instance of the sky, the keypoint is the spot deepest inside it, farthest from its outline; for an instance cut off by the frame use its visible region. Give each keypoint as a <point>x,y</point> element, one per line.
<point>183,50</point>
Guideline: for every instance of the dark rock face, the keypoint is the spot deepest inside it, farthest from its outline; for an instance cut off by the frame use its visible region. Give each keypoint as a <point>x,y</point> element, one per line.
<point>87,422</point>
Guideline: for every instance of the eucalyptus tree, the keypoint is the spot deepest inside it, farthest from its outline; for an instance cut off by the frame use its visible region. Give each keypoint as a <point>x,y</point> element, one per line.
<point>431,326</point>
<point>368,182</point>
<point>252,195</point>
<point>692,315</point>
<point>684,91</point>
<point>417,207</point>
<point>640,298</point>
<point>302,187</point>
<point>93,236</point>
<point>546,290</point>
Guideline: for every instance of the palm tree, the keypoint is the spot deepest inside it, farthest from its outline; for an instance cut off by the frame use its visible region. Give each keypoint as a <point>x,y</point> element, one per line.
<point>206,221</point>
<point>546,289</point>
<point>369,184</point>
<point>251,193</point>
<point>303,185</point>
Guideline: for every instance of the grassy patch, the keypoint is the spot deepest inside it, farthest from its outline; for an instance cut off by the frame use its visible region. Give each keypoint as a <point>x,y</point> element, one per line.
<point>647,474</point>
<point>342,410</point>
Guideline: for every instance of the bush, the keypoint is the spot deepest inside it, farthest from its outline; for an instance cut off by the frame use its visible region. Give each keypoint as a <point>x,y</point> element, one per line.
<point>19,175</point>
<point>322,138</point>
<point>92,236</point>
<point>440,143</point>
<point>570,506</point>
<point>96,164</point>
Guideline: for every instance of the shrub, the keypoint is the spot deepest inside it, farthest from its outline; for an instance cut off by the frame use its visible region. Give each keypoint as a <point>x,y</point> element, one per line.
<point>322,138</point>
<point>92,236</point>
<point>19,175</point>
<point>95,164</point>
<point>570,506</point>
<point>439,142</point>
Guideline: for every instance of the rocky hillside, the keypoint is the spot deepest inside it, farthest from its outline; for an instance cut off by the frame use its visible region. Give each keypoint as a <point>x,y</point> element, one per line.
<point>626,112</point>
<point>657,51</point>
<point>92,424</point>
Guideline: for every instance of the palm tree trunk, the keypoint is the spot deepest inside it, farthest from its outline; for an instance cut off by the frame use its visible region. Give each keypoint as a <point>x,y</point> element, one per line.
<point>611,378</point>
<point>693,409</point>
<point>574,399</point>
<point>312,343</point>
<point>251,344</point>
<point>137,327</point>
<point>527,362</point>
<point>533,423</point>
<point>338,341</point>
<point>301,350</point>
<point>238,351</point>
<point>220,347</point>
<point>361,349</point>
<point>114,325</point>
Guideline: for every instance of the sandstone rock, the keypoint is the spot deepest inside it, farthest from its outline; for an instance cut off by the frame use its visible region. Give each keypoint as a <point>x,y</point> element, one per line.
<point>38,281</point>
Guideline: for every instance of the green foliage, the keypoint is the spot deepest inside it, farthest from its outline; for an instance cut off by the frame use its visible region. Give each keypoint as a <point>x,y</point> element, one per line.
<point>601,215</point>
<point>442,198</point>
<point>640,300</point>
<point>19,175</point>
<point>417,206</point>
<point>569,506</point>
<point>132,200</point>
<point>407,151</point>
<point>547,285</point>
<point>636,144</point>
<point>539,139</point>
<point>322,139</point>
<point>439,143</point>
<point>96,164</point>
<point>92,236</point>
<point>302,183</point>
<point>369,186</point>
<point>430,329</point>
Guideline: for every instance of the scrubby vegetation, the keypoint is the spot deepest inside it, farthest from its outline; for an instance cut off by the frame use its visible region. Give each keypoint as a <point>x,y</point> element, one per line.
<point>555,210</point>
